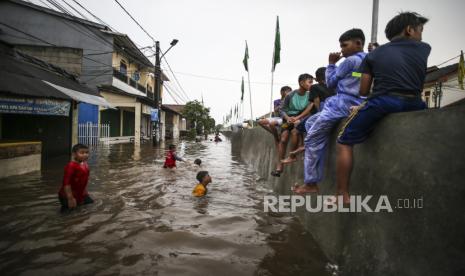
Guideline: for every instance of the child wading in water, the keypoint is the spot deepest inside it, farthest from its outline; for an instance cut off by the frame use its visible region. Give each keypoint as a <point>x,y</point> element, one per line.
<point>204,179</point>
<point>171,157</point>
<point>73,191</point>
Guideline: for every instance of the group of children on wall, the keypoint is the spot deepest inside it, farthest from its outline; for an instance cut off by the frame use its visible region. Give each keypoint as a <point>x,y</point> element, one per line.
<point>362,89</point>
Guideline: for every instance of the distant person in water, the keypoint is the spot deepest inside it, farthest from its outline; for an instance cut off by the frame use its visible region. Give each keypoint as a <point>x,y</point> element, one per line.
<point>198,162</point>
<point>73,191</point>
<point>201,188</point>
<point>217,138</point>
<point>171,157</point>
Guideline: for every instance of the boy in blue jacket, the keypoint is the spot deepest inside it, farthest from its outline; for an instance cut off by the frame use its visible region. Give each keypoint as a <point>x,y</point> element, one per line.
<point>345,79</point>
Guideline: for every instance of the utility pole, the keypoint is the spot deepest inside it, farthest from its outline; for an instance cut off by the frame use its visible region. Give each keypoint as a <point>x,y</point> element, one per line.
<point>158,83</point>
<point>374,22</point>
<point>157,94</point>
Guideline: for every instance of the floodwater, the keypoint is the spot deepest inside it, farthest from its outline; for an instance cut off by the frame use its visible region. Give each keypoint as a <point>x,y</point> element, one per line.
<point>145,222</point>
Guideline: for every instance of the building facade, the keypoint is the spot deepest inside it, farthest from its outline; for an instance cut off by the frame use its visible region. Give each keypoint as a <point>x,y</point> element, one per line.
<point>106,61</point>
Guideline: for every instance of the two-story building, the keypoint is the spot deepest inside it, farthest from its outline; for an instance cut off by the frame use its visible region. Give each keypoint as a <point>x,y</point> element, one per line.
<point>38,104</point>
<point>131,91</point>
<point>441,86</point>
<point>106,61</point>
<point>175,123</point>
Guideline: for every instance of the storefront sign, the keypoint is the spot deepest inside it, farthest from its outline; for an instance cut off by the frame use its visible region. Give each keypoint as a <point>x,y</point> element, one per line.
<point>34,106</point>
<point>154,115</point>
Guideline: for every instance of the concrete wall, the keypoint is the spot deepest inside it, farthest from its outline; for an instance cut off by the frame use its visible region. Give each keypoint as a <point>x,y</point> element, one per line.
<point>67,58</point>
<point>19,158</point>
<point>409,155</point>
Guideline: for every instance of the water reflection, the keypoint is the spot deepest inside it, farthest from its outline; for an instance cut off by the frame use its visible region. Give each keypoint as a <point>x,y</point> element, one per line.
<point>145,221</point>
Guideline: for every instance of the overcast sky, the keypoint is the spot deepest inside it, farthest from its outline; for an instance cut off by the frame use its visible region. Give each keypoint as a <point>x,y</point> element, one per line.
<point>212,36</point>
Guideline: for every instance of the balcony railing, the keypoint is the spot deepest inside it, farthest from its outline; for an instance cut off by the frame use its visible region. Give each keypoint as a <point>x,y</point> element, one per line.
<point>122,77</point>
<point>132,83</point>
<point>142,89</point>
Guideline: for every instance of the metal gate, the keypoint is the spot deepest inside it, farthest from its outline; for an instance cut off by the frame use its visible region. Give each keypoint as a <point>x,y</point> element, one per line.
<point>90,134</point>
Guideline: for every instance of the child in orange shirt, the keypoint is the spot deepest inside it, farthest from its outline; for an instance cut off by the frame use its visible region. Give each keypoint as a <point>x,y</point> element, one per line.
<point>204,179</point>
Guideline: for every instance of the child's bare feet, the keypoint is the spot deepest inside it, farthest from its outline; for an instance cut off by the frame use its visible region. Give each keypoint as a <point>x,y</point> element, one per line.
<point>298,150</point>
<point>305,189</point>
<point>290,159</point>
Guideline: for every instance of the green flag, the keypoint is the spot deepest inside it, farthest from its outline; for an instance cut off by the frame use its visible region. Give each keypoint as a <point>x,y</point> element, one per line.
<point>461,72</point>
<point>277,46</point>
<point>242,89</point>
<point>246,57</point>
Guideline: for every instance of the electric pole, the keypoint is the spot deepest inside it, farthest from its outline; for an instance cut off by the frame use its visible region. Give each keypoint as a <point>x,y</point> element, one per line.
<point>374,22</point>
<point>157,94</point>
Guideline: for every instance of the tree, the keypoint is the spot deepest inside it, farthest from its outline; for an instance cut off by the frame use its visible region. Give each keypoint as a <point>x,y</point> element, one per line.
<point>199,117</point>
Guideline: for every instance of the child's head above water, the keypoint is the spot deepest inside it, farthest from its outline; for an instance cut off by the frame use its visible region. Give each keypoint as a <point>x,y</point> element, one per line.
<point>172,147</point>
<point>203,177</point>
<point>198,162</point>
<point>351,42</point>
<point>80,152</point>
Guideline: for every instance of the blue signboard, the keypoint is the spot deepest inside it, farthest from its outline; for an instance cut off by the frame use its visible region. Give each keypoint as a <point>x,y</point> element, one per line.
<point>34,106</point>
<point>154,115</point>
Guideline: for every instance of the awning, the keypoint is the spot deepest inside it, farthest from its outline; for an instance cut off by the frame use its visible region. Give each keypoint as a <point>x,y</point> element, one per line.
<point>80,97</point>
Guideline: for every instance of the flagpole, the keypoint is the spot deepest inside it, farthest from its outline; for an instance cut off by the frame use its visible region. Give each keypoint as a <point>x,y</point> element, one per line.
<point>272,80</point>
<point>250,97</point>
<point>242,112</point>
<point>275,60</point>
<point>271,94</point>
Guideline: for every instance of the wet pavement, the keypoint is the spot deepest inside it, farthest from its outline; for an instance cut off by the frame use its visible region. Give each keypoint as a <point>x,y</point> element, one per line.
<point>145,222</point>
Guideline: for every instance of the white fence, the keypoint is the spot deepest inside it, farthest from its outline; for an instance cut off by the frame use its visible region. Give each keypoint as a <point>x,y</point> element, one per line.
<point>90,134</point>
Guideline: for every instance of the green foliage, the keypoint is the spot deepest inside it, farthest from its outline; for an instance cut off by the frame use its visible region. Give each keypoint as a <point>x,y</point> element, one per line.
<point>218,128</point>
<point>199,117</point>
<point>192,133</point>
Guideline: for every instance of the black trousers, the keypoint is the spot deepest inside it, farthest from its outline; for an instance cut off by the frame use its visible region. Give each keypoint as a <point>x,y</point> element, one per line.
<point>64,202</point>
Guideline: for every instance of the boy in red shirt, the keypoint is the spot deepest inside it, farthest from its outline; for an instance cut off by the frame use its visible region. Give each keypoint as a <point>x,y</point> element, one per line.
<point>171,157</point>
<point>73,191</point>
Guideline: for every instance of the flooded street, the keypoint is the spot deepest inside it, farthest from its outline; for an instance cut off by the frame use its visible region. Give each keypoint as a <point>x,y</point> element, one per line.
<point>145,222</point>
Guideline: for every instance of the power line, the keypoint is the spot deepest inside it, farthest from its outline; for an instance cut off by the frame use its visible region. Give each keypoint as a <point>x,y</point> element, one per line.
<point>89,33</point>
<point>93,15</point>
<point>74,9</point>
<point>46,42</point>
<point>35,37</point>
<point>175,92</point>
<point>140,26</point>
<point>176,79</point>
<point>447,60</point>
<point>169,93</point>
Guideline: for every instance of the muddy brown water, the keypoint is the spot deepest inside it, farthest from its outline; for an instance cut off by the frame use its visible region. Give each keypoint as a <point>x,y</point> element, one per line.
<point>145,222</point>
